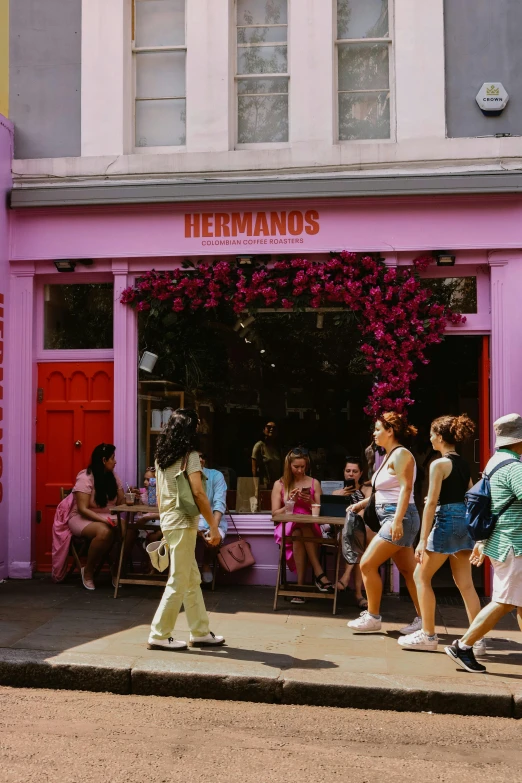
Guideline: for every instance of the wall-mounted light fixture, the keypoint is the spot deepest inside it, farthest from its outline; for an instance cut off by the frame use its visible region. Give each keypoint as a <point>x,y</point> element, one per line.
<point>65,265</point>
<point>320,320</point>
<point>148,361</point>
<point>244,260</point>
<point>444,258</point>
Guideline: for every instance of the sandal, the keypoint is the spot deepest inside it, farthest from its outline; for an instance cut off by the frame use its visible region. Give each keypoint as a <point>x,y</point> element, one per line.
<point>341,587</point>
<point>298,600</point>
<point>362,603</point>
<point>87,583</point>
<point>323,587</point>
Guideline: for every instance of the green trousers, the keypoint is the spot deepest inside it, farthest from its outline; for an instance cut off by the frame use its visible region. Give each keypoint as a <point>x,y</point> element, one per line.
<point>183,587</point>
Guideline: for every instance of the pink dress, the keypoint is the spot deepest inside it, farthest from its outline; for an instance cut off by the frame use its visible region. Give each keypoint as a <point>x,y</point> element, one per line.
<point>85,483</point>
<point>299,508</point>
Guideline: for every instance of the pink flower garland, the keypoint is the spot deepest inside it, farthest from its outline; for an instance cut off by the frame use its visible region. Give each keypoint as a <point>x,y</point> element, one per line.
<point>399,318</point>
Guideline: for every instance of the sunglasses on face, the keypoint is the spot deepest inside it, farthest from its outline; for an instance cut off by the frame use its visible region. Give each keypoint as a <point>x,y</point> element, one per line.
<point>299,452</point>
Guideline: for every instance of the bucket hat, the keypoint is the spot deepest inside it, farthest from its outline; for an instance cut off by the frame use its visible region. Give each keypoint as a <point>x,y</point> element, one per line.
<point>508,430</point>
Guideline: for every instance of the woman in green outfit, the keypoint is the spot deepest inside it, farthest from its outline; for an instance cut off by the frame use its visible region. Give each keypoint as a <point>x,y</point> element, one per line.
<point>176,450</point>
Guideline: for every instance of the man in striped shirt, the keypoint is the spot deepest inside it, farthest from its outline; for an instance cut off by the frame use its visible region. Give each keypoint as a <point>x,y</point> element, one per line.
<point>504,546</point>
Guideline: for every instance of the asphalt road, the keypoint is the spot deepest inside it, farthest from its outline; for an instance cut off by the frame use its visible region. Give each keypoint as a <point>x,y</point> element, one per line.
<point>73,737</point>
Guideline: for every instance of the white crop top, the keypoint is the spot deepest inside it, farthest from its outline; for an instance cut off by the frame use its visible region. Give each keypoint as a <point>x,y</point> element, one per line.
<point>388,488</point>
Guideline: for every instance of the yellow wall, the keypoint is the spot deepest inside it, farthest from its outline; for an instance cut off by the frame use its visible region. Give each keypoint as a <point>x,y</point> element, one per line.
<point>4,57</point>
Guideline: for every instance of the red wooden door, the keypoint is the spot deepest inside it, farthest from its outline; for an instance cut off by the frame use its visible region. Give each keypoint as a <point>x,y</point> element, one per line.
<point>74,414</point>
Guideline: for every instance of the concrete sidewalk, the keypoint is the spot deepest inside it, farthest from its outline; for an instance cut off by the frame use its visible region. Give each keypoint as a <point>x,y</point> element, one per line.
<point>61,636</point>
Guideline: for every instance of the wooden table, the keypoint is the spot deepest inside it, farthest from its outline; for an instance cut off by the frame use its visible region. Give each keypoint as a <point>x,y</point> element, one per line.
<point>125,516</point>
<point>283,587</point>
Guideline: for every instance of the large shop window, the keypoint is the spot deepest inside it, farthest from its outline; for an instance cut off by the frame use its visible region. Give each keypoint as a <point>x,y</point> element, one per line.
<point>159,57</point>
<point>363,69</point>
<point>262,71</point>
<point>78,316</point>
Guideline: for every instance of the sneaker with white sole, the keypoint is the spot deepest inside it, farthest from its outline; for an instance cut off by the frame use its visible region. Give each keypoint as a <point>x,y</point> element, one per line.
<point>464,658</point>
<point>365,623</point>
<point>165,644</point>
<point>418,641</point>
<point>480,649</point>
<point>210,640</point>
<point>416,625</point>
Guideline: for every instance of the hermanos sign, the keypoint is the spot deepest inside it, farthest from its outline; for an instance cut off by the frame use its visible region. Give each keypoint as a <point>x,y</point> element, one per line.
<point>284,227</point>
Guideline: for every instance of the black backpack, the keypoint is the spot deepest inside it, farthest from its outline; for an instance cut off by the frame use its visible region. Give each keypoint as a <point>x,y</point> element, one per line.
<point>479,517</point>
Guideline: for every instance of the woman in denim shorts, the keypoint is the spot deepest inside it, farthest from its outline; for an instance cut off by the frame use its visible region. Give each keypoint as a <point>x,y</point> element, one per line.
<point>444,532</point>
<point>398,518</point>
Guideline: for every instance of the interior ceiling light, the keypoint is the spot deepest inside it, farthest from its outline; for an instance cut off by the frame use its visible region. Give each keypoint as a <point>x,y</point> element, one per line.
<point>65,265</point>
<point>148,361</point>
<point>262,350</point>
<point>444,258</point>
<point>272,365</point>
<point>247,321</point>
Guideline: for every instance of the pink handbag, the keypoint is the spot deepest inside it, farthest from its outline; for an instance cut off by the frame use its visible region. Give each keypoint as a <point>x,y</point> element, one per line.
<point>237,555</point>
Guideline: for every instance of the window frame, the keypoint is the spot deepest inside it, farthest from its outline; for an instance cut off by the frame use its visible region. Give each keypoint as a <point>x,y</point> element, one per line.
<point>259,145</point>
<point>144,49</point>
<point>391,87</point>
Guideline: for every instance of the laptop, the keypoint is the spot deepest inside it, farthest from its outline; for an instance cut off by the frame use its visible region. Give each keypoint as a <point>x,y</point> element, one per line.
<point>334,505</point>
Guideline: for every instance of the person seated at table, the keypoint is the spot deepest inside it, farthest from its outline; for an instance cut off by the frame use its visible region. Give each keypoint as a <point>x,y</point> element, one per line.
<point>96,489</point>
<point>297,486</point>
<point>217,495</point>
<point>355,489</point>
<point>134,532</point>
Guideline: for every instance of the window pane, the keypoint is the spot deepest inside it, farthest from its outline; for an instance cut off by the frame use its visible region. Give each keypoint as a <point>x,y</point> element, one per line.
<point>160,123</point>
<point>160,74</point>
<point>362,19</point>
<point>262,59</point>
<point>263,119</point>
<point>262,85</point>
<point>364,115</point>
<point>261,12</point>
<point>78,316</point>
<point>461,291</point>
<point>364,67</point>
<point>160,22</point>
<point>261,34</point>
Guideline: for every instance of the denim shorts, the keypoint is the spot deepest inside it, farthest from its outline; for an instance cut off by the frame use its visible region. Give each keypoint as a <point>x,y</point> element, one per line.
<point>449,533</point>
<point>410,523</point>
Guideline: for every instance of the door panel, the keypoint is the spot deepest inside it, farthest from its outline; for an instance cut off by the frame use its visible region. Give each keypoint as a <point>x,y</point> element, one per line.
<point>76,408</point>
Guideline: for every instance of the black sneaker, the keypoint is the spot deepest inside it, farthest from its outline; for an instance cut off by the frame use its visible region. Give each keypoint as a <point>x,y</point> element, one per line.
<point>464,658</point>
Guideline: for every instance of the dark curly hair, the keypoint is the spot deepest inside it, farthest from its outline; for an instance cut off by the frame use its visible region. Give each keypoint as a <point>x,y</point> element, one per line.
<point>454,429</point>
<point>105,486</point>
<point>177,438</point>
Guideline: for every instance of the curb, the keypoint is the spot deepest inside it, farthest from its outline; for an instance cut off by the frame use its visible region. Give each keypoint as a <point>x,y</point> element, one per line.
<point>126,676</point>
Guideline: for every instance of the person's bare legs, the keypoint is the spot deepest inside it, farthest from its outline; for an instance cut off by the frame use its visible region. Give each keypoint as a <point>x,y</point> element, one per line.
<point>300,558</point>
<point>405,561</point>
<point>377,553</point>
<point>358,583</point>
<point>485,621</point>
<point>102,539</point>
<point>345,578</point>
<point>462,575</point>
<point>423,575</point>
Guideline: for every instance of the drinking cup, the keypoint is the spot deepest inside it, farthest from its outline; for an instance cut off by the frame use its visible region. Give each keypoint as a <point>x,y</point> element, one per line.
<point>289,506</point>
<point>316,509</point>
<point>129,498</point>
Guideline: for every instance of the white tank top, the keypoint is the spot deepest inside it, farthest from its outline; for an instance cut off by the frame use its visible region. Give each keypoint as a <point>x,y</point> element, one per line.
<point>387,486</point>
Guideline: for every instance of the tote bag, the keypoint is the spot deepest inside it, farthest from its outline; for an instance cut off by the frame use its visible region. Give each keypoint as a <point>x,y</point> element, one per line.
<point>185,502</point>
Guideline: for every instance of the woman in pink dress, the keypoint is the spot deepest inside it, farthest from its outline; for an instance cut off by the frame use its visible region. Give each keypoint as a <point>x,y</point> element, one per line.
<point>96,489</point>
<point>304,490</point>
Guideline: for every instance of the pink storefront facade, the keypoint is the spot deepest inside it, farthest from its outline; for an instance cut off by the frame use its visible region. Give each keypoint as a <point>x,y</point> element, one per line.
<point>483,232</point>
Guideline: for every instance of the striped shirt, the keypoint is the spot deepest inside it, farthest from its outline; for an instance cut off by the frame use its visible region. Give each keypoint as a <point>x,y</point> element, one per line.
<point>505,483</point>
<point>172,518</point>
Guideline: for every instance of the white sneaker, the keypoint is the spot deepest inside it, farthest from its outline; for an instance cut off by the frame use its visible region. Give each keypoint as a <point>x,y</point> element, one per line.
<point>206,577</point>
<point>480,649</point>
<point>206,641</point>
<point>416,625</point>
<point>365,623</point>
<point>418,641</point>
<point>165,644</point>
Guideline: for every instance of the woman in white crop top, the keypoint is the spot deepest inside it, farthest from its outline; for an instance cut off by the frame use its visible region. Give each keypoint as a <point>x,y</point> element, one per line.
<point>398,519</point>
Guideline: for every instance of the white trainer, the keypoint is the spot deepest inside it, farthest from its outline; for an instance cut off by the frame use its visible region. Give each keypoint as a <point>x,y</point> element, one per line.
<point>365,623</point>
<point>210,640</point>
<point>165,644</point>
<point>416,625</point>
<point>480,649</point>
<point>418,641</point>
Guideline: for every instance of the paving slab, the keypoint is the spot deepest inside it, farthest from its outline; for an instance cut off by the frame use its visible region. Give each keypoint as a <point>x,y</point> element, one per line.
<point>60,636</point>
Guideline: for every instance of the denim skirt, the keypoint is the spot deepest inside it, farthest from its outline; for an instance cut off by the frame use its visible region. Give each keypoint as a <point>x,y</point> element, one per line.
<point>410,523</point>
<point>449,533</point>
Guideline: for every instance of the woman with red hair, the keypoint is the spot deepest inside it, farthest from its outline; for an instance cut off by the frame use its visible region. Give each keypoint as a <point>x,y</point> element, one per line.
<point>398,518</point>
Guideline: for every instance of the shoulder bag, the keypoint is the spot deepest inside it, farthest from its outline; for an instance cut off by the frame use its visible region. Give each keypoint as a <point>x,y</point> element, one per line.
<point>185,502</point>
<point>236,555</point>
<point>158,552</point>
<point>370,512</point>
